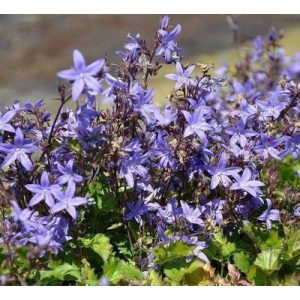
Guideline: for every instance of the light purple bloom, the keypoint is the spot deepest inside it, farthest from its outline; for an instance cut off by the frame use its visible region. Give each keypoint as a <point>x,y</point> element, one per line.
<point>166,117</point>
<point>297,211</point>
<point>42,191</point>
<point>246,183</point>
<point>269,214</point>
<point>18,151</point>
<point>190,214</point>
<point>272,107</point>
<point>82,75</point>
<point>170,213</point>
<point>67,201</point>
<point>4,119</point>
<point>133,166</point>
<point>182,77</point>
<point>220,172</point>
<point>68,174</point>
<point>196,124</point>
<point>239,134</point>
<point>168,45</point>
<point>267,146</point>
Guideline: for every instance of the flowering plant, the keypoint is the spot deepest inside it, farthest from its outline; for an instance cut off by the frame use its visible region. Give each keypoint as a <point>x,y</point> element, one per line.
<point>139,194</point>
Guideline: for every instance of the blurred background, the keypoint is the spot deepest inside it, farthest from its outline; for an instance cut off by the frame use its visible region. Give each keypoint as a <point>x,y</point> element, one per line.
<point>34,47</point>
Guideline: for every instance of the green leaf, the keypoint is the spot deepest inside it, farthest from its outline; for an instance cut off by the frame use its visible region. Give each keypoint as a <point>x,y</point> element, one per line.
<point>242,261</point>
<point>293,245</point>
<point>61,272</point>
<point>271,240</point>
<point>103,195</point>
<point>165,253</point>
<point>116,270</point>
<point>155,279</point>
<point>88,276</point>
<point>227,249</point>
<point>269,260</point>
<point>100,244</point>
<point>191,273</point>
<point>258,276</point>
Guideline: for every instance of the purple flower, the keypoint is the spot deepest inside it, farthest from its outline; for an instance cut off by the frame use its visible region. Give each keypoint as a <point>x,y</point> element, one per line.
<point>19,214</point>
<point>82,75</point>
<point>197,124</point>
<point>191,215</point>
<point>272,107</point>
<point>4,119</point>
<point>142,101</point>
<point>133,45</point>
<point>164,23</point>
<point>68,175</point>
<point>267,147</point>
<point>163,152</point>
<point>213,210</point>
<point>269,214</point>
<point>18,151</point>
<point>170,213</point>
<point>239,134</point>
<point>297,211</point>
<point>67,201</point>
<point>132,166</point>
<point>245,110</point>
<point>168,45</point>
<point>198,251</point>
<point>182,77</point>
<point>43,191</point>
<point>246,183</point>
<point>136,210</point>
<point>166,117</point>
<point>220,172</point>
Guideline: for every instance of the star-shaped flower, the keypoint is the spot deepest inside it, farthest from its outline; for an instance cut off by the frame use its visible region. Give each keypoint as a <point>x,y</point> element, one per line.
<point>182,77</point>
<point>67,201</point>
<point>43,191</point>
<point>83,76</point>
<point>18,151</point>
<point>246,183</point>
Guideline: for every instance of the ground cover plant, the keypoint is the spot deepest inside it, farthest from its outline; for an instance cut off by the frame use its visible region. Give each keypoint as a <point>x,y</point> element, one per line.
<point>202,191</point>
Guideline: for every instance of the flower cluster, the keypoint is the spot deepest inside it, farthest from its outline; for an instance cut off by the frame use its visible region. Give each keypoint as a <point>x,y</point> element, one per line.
<point>178,171</point>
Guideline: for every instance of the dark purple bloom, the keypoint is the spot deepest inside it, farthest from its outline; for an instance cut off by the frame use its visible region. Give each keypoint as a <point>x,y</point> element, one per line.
<point>213,210</point>
<point>163,152</point>
<point>136,210</point>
